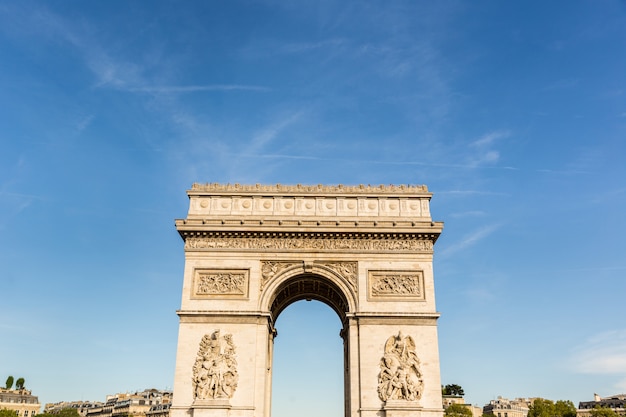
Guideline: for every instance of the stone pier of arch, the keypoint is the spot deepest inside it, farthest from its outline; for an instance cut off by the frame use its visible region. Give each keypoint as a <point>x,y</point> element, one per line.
<point>252,250</point>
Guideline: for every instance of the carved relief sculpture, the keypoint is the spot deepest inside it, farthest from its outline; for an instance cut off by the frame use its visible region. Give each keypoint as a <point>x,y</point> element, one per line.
<point>307,243</point>
<point>347,270</point>
<point>400,377</point>
<point>215,371</point>
<point>209,283</point>
<point>269,269</point>
<point>396,284</point>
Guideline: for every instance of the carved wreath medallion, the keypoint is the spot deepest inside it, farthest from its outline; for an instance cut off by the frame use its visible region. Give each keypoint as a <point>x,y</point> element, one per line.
<point>400,377</point>
<point>215,370</point>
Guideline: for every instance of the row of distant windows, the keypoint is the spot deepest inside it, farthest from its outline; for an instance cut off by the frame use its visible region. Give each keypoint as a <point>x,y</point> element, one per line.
<point>32,413</point>
<point>609,405</point>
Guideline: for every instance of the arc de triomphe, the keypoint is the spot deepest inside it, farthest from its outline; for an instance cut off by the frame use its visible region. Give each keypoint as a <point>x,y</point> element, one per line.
<point>252,250</point>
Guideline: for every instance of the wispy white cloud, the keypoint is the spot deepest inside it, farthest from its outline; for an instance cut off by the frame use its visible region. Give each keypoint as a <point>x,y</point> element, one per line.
<point>272,47</point>
<point>490,138</point>
<point>469,213</point>
<point>603,353</point>
<point>301,47</point>
<point>484,152</point>
<point>83,123</point>
<point>199,88</point>
<point>269,133</point>
<point>468,192</point>
<point>469,240</point>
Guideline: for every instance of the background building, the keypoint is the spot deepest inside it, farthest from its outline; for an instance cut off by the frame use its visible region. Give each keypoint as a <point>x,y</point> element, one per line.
<point>138,404</point>
<point>448,400</point>
<point>616,403</point>
<point>21,400</point>
<point>503,407</point>
<point>83,407</point>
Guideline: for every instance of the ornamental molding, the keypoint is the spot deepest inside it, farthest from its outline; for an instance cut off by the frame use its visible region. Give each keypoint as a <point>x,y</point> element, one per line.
<point>271,269</point>
<point>400,285</point>
<point>300,188</point>
<point>400,377</point>
<point>308,241</point>
<point>215,370</point>
<point>220,283</point>
<point>348,271</point>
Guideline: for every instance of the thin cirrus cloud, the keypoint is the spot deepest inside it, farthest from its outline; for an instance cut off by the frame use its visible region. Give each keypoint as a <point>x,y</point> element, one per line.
<point>490,138</point>
<point>200,88</point>
<point>469,240</point>
<point>604,353</point>
<point>485,154</point>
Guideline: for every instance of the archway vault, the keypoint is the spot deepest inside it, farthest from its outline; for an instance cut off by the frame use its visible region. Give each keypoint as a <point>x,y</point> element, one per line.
<point>252,250</point>
<point>331,282</point>
<point>309,287</point>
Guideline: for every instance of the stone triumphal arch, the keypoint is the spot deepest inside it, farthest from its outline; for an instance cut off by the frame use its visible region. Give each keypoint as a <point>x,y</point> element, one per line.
<point>251,251</point>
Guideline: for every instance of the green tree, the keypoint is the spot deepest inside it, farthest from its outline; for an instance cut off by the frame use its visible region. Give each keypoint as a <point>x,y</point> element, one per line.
<point>9,383</point>
<point>547,408</point>
<point>19,384</point>
<point>457,410</point>
<point>602,412</point>
<point>65,412</point>
<point>68,412</point>
<point>542,408</point>
<point>7,413</point>
<point>452,389</point>
<point>565,408</point>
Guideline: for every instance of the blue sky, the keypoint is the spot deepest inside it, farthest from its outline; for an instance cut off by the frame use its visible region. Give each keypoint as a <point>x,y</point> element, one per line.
<point>513,114</point>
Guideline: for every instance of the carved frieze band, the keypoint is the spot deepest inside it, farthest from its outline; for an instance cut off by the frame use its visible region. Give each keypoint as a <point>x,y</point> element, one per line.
<point>220,283</point>
<point>307,244</point>
<point>408,285</point>
<point>347,270</point>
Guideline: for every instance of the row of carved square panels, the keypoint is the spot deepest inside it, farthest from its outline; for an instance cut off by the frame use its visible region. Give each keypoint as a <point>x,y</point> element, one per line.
<point>235,283</point>
<point>303,206</point>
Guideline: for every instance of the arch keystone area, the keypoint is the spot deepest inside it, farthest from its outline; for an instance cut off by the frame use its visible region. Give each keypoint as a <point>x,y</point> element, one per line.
<point>252,250</point>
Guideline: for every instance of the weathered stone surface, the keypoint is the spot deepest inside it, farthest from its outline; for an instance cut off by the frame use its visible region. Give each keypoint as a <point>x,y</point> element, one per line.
<point>251,250</point>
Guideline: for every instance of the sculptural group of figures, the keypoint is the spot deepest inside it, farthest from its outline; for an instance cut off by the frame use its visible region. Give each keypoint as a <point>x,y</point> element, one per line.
<point>215,370</point>
<point>400,377</point>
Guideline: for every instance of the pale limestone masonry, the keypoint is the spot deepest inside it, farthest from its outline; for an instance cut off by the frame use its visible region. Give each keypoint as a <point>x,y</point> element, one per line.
<point>19,400</point>
<point>504,407</point>
<point>252,250</point>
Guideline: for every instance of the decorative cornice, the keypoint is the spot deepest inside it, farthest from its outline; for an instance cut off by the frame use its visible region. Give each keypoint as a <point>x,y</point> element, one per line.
<point>308,189</point>
<point>383,242</point>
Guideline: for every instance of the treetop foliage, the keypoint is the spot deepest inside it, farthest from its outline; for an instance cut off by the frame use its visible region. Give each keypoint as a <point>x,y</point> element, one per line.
<point>7,413</point>
<point>547,408</point>
<point>457,410</point>
<point>598,411</point>
<point>452,389</point>
<point>66,412</point>
<point>19,384</point>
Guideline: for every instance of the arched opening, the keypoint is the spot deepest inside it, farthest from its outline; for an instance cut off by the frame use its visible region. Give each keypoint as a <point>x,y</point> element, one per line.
<point>308,363</point>
<point>309,355</point>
